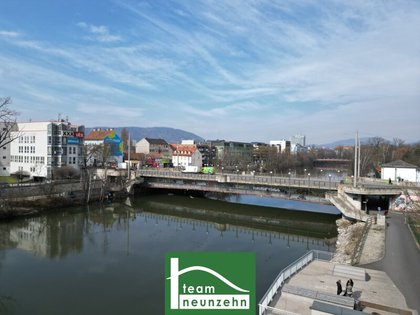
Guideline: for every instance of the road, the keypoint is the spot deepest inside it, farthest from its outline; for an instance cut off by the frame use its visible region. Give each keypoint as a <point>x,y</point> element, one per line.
<point>402,260</point>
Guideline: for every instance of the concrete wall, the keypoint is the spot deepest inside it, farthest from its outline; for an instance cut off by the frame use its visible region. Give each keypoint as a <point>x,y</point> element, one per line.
<point>408,174</point>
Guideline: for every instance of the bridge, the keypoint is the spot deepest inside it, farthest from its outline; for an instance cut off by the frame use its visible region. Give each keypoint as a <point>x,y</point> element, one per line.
<point>351,200</point>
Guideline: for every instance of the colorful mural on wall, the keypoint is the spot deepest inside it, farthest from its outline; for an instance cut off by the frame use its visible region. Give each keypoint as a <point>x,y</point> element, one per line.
<point>116,144</point>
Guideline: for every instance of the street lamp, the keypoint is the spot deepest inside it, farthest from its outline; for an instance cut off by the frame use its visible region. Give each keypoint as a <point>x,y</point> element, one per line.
<point>309,179</point>
<point>329,178</point>
<point>271,174</point>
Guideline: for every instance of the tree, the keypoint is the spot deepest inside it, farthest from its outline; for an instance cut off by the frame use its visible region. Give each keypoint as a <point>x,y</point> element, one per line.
<point>7,121</point>
<point>124,139</point>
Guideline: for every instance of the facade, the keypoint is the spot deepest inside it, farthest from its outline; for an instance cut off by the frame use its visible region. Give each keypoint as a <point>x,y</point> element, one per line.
<point>153,146</point>
<point>281,145</point>
<point>232,149</point>
<point>298,139</point>
<point>99,137</point>
<point>186,155</point>
<point>400,171</point>
<point>5,148</point>
<point>42,147</point>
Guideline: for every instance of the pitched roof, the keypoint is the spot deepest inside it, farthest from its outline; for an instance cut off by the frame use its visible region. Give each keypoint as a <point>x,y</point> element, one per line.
<point>183,149</point>
<point>98,134</point>
<point>156,141</point>
<point>399,164</point>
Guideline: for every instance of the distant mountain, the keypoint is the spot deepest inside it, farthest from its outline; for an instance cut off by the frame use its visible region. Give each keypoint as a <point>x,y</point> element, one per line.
<point>170,135</point>
<point>345,142</point>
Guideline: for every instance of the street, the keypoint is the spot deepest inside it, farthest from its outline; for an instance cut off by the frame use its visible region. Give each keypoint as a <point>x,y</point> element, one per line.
<point>402,260</point>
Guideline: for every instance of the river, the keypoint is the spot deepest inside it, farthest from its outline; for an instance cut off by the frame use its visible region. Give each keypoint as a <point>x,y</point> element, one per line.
<point>110,259</point>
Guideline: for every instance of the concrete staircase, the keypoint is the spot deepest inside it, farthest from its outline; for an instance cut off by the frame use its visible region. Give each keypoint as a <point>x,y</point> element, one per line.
<point>347,209</point>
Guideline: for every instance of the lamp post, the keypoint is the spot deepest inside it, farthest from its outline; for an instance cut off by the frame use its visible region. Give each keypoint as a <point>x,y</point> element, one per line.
<point>289,183</point>
<point>271,174</point>
<point>329,178</point>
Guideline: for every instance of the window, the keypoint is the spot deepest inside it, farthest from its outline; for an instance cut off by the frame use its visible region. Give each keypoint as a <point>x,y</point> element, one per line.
<point>4,157</point>
<point>74,160</point>
<point>20,149</point>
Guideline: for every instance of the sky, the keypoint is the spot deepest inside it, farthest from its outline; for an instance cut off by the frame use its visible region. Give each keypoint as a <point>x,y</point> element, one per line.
<point>240,70</point>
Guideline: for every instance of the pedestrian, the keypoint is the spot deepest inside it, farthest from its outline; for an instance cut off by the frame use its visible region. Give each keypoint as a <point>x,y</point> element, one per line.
<point>339,287</point>
<point>349,288</point>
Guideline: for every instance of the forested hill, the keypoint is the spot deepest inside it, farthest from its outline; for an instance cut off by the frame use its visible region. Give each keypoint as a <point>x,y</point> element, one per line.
<point>170,135</point>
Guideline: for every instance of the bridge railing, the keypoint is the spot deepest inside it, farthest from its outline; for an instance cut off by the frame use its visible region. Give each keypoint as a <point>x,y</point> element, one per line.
<point>273,180</point>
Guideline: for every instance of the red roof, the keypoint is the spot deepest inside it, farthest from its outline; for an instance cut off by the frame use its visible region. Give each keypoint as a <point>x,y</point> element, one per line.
<point>183,149</point>
<point>98,134</point>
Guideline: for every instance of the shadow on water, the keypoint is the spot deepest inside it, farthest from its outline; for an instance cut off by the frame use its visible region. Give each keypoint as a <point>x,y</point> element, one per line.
<point>110,259</point>
<point>319,225</point>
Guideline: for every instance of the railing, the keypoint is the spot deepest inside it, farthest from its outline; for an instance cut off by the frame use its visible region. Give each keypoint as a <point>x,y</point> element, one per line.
<point>355,258</point>
<point>266,180</point>
<point>285,274</point>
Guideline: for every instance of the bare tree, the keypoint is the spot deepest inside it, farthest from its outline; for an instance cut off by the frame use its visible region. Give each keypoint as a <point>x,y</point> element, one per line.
<point>7,121</point>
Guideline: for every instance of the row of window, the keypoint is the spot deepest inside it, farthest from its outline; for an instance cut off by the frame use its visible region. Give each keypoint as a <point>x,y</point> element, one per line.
<point>27,159</point>
<point>61,150</point>
<point>26,149</point>
<point>27,139</point>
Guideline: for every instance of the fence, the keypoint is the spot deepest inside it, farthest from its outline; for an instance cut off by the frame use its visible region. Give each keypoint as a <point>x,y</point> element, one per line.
<point>285,274</point>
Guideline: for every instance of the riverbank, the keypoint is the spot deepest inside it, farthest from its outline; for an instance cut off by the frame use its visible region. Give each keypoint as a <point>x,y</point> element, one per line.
<point>30,200</point>
<point>351,239</point>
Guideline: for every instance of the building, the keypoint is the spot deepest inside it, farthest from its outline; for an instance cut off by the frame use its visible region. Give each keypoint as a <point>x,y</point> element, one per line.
<point>298,139</point>
<point>400,171</point>
<point>43,147</point>
<point>281,145</point>
<point>96,155</point>
<point>154,146</point>
<point>186,155</point>
<point>231,149</point>
<point>5,137</point>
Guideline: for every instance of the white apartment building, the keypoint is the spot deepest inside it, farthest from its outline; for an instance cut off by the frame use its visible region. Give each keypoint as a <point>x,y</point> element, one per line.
<point>41,147</point>
<point>281,145</point>
<point>186,155</point>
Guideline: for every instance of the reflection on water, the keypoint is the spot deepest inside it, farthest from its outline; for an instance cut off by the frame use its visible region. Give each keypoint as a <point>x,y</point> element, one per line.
<point>111,259</point>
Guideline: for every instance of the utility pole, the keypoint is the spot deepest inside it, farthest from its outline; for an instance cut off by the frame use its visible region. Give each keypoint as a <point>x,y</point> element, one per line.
<point>356,156</point>
<point>129,162</point>
<point>358,159</point>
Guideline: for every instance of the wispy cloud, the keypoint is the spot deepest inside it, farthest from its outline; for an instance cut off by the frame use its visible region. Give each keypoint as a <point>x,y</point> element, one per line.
<point>9,34</point>
<point>99,33</point>
<point>222,68</point>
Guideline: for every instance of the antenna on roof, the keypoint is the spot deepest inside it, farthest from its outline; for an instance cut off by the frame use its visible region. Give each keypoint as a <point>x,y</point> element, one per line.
<point>59,117</point>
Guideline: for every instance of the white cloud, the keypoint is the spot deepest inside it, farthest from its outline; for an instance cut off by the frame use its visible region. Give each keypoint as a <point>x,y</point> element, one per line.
<point>99,33</point>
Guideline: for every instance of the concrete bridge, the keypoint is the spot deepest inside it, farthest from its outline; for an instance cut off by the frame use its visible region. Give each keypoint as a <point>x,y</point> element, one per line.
<point>353,201</point>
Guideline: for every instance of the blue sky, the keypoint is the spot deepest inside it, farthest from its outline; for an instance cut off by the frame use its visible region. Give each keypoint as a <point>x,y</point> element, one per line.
<point>240,70</point>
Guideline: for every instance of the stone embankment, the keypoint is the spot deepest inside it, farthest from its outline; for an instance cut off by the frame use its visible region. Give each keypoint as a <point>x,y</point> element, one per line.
<point>347,239</point>
<point>32,199</point>
<point>372,246</point>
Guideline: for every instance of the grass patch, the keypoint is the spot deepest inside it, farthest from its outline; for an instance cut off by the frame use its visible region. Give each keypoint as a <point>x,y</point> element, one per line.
<point>414,223</point>
<point>8,179</point>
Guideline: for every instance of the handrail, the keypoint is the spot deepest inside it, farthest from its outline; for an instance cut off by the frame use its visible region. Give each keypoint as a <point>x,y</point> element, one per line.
<point>355,258</point>
<point>285,274</point>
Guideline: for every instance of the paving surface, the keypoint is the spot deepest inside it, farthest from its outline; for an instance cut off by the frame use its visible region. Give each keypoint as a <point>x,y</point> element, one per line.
<point>374,247</point>
<point>402,260</point>
<point>378,288</point>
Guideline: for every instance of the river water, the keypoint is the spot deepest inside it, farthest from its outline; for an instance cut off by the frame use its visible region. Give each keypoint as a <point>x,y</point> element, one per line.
<point>110,259</point>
